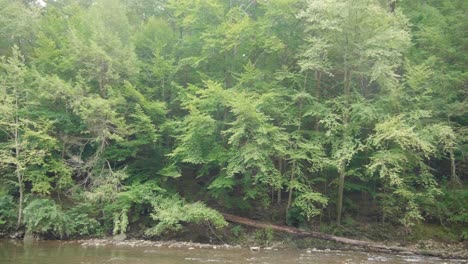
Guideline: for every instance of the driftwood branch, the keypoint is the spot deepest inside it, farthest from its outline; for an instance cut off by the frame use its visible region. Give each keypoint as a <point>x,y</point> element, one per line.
<point>302,233</point>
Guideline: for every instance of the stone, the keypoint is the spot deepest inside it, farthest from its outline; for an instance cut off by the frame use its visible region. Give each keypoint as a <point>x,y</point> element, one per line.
<point>120,237</point>
<point>254,248</point>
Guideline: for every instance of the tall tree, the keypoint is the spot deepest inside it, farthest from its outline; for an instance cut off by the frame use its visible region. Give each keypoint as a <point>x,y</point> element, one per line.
<point>25,143</point>
<point>361,43</point>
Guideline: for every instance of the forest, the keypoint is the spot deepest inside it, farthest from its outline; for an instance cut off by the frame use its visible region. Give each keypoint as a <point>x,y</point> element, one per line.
<point>149,117</point>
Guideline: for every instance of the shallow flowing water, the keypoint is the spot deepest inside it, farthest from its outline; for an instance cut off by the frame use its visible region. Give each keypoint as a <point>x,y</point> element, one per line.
<point>52,252</point>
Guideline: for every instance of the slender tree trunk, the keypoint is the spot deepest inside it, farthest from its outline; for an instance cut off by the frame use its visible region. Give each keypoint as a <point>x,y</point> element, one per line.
<point>291,189</point>
<point>21,188</point>
<point>318,79</point>
<point>383,208</point>
<point>163,90</point>
<point>453,170</point>
<point>226,70</point>
<point>454,179</point>
<point>341,180</point>
<point>342,165</point>
<point>272,194</point>
<point>18,167</point>
<point>290,197</point>
<point>392,5</point>
<point>102,85</point>
<point>279,196</point>
<point>279,188</point>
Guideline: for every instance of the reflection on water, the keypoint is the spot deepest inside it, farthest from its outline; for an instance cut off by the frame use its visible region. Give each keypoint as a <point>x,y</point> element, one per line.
<point>52,252</point>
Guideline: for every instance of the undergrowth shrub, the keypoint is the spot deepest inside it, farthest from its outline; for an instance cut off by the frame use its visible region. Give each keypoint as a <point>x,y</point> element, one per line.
<point>171,213</point>
<point>452,210</point>
<point>84,224</point>
<point>45,217</point>
<point>7,212</point>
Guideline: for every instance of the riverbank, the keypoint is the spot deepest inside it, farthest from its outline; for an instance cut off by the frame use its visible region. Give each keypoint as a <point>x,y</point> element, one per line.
<point>251,242</point>
<point>452,251</point>
<point>425,240</point>
<point>449,251</point>
<point>58,252</point>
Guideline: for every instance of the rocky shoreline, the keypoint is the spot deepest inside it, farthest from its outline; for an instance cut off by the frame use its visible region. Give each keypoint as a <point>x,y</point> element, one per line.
<point>454,251</point>
<point>100,242</point>
<point>444,250</point>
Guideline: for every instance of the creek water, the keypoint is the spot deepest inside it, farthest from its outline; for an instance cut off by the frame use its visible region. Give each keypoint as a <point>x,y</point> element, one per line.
<point>56,252</point>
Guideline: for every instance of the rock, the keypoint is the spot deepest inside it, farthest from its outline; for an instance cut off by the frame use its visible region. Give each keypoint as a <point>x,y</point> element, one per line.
<point>16,235</point>
<point>120,237</point>
<point>254,248</point>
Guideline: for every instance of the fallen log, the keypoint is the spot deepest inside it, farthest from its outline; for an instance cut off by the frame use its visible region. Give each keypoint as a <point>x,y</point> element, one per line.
<point>302,233</point>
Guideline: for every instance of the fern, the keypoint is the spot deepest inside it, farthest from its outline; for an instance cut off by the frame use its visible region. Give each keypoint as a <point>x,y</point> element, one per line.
<point>45,217</point>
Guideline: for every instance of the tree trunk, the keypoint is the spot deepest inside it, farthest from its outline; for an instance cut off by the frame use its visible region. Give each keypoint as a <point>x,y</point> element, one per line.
<point>342,166</point>
<point>278,196</point>
<point>454,179</point>
<point>393,6</point>
<point>318,79</point>
<point>370,245</point>
<point>339,206</point>
<point>18,169</point>
<point>21,197</point>
<point>453,170</point>
<point>291,189</point>
<point>280,188</point>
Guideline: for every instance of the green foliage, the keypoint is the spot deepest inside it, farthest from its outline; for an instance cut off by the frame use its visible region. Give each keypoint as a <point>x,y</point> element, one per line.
<point>130,200</point>
<point>18,24</point>
<point>122,108</point>
<point>296,217</point>
<point>237,230</point>
<point>452,210</point>
<point>83,220</point>
<point>424,232</point>
<point>7,211</point>
<point>264,236</point>
<point>120,222</point>
<point>172,212</point>
<point>119,202</point>
<point>310,203</point>
<point>45,217</point>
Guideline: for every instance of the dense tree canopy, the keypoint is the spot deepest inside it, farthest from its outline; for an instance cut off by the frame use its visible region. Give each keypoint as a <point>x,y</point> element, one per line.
<point>138,114</point>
